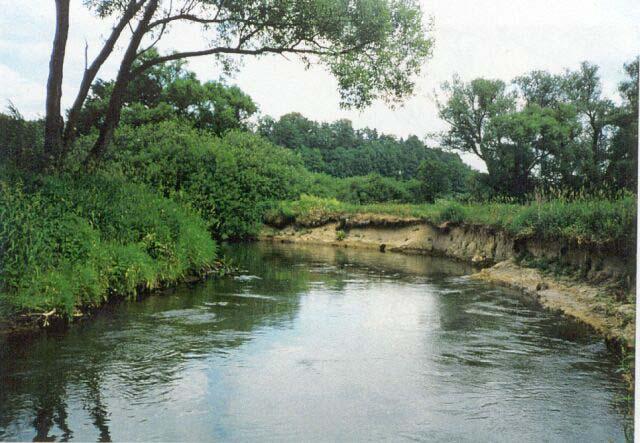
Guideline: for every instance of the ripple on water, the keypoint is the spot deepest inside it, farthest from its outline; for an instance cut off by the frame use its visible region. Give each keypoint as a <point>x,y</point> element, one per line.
<point>246,278</point>
<point>192,316</point>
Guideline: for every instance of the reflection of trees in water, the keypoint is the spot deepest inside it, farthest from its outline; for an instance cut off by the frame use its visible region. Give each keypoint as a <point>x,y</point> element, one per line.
<point>49,409</point>
<point>406,265</point>
<point>97,410</point>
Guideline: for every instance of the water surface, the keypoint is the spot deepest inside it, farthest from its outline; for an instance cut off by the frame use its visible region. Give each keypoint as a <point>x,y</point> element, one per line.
<point>315,343</point>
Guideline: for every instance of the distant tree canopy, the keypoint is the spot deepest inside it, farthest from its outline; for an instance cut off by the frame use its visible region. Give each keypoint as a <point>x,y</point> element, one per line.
<point>340,150</point>
<point>374,49</point>
<point>546,131</point>
<point>168,91</point>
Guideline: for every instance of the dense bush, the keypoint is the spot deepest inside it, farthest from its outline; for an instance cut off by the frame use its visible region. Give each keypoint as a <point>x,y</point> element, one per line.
<point>376,189</point>
<point>71,242</point>
<point>230,181</point>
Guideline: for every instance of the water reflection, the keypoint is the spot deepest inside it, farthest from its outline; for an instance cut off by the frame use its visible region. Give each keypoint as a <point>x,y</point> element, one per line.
<point>376,345</point>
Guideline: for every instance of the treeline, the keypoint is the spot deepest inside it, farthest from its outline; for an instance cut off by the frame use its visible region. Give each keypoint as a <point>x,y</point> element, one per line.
<point>368,166</point>
<point>546,132</point>
<point>339,150</point>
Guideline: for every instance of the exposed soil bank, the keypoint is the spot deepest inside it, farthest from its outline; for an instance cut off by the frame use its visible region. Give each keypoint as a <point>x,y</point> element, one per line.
<point>587,303</point>
<point>589,300</point>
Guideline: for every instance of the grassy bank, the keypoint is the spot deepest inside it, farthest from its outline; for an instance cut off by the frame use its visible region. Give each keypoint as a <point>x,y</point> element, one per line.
<point>147,218</point>
<point>596,221</point>
<point>70,243</point>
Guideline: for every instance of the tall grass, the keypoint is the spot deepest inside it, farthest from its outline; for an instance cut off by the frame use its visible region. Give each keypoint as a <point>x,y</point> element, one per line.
<point>68,243</point>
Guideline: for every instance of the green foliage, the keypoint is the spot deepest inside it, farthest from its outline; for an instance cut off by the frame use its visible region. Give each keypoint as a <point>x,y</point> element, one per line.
<point>372,188</point>
<point>168,91</point>
<point>72,242</point>
<point>373,48</point>
<point>561,134</point>
<point>230,181</point>
<point>339,150</point>
<point>375,188</point>
<point>306,211</point>
<point>453,213</point>
<point>622,171</point>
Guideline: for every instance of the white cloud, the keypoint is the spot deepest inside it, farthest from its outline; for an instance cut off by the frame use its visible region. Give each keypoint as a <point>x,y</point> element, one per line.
<point>22,92</point>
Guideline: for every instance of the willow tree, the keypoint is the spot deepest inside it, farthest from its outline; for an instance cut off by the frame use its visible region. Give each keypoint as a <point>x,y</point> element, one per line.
<point>374,48</point>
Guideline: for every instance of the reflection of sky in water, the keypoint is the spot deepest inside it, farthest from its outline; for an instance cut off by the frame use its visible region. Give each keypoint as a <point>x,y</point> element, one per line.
<point>317,344</point>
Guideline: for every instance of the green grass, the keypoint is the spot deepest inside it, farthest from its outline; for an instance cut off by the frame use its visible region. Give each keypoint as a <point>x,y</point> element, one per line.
<point>595,221</point>
<point>70,243</point>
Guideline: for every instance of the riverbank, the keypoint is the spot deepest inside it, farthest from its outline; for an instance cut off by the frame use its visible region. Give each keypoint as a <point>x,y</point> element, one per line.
<point>68,245</point>
<point>595,289</point>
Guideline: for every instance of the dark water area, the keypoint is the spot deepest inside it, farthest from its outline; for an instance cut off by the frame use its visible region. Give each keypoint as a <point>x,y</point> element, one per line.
<point>317,344</point>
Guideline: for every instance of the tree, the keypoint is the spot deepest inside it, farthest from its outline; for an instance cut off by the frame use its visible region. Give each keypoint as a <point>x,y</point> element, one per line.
<point>470,110</point>
<point>170,91</point>
<point>434,180</point>
<point>54,124</point>
<point>528,143</point>
<point>622,170</point>
<point>524,143</point>
<point>541,88</point>
<point>339,150</point>
<point>584,91</point>
<point>374,48</point>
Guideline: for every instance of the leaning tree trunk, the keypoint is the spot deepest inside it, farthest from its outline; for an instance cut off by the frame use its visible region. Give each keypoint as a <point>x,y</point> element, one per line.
<point>114,109</point>
<point>92,70</point>
<point>54,123</point>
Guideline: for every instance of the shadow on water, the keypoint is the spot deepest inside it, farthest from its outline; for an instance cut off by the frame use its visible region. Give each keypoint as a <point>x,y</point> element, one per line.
<point>181,355</point>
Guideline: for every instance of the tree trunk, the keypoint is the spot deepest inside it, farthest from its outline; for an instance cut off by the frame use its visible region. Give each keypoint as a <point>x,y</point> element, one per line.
<point>112,116</point>
<point>596,129</point>
<point>53,119</point>
<point>92,70</point>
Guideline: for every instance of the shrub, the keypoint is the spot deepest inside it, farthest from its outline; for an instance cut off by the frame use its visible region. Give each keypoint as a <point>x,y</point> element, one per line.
<point>230,181</point>
<point>452,212</point>
<point>376,189</point>
<point>366,189</point>
<point>21,140</point>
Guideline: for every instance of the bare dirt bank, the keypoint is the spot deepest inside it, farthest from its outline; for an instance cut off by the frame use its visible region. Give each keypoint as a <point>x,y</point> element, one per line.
<point>589,299</point>
<point>588,303</point>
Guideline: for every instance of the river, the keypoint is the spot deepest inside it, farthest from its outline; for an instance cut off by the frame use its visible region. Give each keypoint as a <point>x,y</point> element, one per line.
<point>316,344</point>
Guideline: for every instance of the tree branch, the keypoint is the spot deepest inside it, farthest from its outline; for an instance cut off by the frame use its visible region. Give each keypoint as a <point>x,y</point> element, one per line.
<point>239,51</point>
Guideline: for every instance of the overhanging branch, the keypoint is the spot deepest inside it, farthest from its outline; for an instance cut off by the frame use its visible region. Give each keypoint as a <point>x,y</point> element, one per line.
<point>239,51</point>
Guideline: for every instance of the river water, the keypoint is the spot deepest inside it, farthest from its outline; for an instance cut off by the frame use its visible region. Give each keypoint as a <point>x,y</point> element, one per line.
<point>317,344</point>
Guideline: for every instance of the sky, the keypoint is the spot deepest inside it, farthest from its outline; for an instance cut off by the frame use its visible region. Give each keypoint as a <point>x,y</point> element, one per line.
<point>473,38</point>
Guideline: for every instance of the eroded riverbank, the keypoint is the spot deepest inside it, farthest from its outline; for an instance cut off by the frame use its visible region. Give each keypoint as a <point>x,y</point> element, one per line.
<point>595,298</point>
